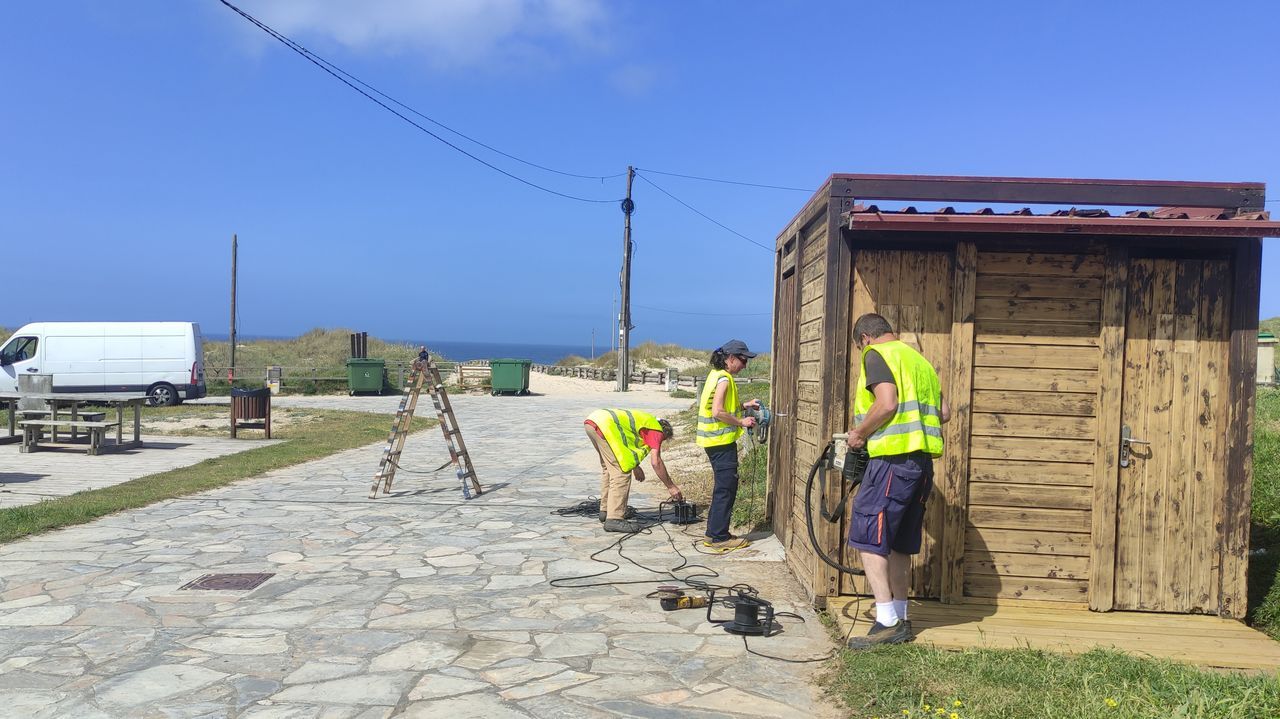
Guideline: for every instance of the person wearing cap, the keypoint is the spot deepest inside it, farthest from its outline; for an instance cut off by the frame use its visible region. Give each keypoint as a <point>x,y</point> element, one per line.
<point>898,415</point>
<point>623,438</point>
<point>720,423</point>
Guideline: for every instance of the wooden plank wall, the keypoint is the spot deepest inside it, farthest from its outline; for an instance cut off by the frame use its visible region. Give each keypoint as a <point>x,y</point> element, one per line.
<point>1175,398</point>
<point>783,385</point>
<point>809,432</point>
<point>1033,421</point>
<point>912,290</point>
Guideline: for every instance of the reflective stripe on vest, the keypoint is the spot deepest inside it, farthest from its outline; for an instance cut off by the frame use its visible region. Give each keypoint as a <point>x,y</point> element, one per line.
<point>711,431</point>
<point>621,430</point>
<point>916,426</point>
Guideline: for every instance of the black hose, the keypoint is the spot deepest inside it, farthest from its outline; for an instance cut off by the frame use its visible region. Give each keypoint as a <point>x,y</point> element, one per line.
<point>808,516</point>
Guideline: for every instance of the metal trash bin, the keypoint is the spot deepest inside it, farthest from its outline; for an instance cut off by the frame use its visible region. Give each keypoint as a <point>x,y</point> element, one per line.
<point>509,376</point>
<point>365,375</point>
<point>250,409</point>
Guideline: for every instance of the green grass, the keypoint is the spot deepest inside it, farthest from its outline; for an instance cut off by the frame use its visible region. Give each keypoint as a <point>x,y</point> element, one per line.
<point>326,350</point>
<point>1018,684</point>
<point>1264,564</point>
<point>327,432</point>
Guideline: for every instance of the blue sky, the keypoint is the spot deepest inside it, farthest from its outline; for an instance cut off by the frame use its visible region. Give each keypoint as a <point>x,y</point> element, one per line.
<point>135,138</point>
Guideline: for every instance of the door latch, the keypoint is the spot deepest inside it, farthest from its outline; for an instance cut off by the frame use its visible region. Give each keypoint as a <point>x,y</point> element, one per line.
<point>1126,444</point>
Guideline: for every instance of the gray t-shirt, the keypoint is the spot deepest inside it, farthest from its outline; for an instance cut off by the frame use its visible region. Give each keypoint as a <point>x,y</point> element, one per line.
<point>877,370</point>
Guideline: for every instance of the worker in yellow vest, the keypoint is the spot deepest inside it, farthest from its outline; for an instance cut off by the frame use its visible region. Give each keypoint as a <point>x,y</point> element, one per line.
<point>898,415</point>
<point>623,438</point>
<point>720,423</point>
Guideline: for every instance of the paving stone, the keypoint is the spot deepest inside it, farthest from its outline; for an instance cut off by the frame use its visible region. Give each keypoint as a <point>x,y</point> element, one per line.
<point>517,671</point>
<point>317,671</point>
<point>381,689</point>
<point>418,656</point>
<point>557,646</point>
<point>555,683</point>
<point>251,642</point>
<point>470,706</point>
<point>435,686</point>
<point>735,700</point>
<point>37,616</point>
<point>153,684</point>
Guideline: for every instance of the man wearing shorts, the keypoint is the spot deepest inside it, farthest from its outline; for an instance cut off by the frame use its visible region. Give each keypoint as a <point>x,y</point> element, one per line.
<point>898,415</point>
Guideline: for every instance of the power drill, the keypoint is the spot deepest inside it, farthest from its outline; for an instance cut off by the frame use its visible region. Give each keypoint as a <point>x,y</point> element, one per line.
<point>763,417</point>
<point>671,598</point>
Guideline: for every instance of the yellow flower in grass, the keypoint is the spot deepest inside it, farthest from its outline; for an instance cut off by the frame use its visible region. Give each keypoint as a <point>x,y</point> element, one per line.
<point>954,715</point>
<point>1112,703</point>
<point>906,712</point>
<point>926,707</point>
<point>957,703</point>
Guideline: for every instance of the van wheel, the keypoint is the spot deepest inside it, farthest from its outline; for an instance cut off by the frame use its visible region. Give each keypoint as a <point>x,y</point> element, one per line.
<point>162,395</point>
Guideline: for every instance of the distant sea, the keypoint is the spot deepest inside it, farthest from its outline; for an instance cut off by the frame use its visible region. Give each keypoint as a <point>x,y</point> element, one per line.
<point>540,354</point>
<point>462,351</point>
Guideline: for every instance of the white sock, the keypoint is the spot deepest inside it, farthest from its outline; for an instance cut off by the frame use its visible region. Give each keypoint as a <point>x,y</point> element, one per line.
<point>900,608</point>
<point>886,614</point>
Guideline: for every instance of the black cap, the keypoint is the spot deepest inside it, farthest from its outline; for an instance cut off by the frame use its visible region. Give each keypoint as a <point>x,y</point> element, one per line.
<point>736,347</point>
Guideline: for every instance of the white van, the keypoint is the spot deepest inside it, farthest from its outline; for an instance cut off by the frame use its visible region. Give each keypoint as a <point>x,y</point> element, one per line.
<point>162,359</point>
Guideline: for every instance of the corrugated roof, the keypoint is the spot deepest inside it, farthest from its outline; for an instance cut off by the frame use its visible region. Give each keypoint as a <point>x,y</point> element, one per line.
<point>1163,221</point>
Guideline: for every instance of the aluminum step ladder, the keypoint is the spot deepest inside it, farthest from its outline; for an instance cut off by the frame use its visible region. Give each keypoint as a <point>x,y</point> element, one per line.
<point>425,373</point>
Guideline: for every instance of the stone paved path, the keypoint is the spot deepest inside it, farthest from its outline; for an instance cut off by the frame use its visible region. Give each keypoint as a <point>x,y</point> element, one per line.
<point>416,605</point>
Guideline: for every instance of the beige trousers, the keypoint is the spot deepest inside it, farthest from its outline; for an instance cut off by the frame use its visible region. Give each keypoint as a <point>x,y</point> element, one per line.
<point>615,485</point>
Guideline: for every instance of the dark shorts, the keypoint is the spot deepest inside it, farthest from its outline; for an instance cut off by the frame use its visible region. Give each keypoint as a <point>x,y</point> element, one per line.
<point>888,511</point>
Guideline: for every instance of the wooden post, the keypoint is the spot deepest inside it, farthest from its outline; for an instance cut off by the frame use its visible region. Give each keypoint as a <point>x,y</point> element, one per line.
<point>624,317</point>
<point>231,371</point>
<point>835,375</point>
<point>1106,463</point>
<point>956,458</point>
<point>1242,375</point>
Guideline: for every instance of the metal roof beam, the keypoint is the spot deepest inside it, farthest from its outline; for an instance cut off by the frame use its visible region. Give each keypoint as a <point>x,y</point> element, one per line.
<point>1239,196</point>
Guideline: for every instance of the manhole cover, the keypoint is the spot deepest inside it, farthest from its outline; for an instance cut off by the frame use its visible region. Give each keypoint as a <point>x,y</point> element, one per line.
<point>228,581</point>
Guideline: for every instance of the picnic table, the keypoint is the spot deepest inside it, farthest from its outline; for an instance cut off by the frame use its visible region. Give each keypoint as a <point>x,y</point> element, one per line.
<point>65,412</point>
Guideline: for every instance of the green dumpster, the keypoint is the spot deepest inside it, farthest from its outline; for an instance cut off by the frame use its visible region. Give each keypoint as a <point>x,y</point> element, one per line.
<point>365,375</point>
<point>510,376</point>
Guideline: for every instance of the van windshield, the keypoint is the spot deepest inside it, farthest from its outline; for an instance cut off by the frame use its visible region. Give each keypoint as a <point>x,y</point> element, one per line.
<point>18,349</point>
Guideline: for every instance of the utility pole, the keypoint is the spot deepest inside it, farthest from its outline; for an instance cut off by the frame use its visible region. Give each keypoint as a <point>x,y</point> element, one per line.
<point>624,317</point>
<point>231,371</point>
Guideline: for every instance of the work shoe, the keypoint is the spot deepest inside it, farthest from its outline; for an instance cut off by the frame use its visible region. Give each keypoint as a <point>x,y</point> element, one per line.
<point>631,512</point>
<point>622,525</point>
<point>727,545</point>
<point>899,633</point>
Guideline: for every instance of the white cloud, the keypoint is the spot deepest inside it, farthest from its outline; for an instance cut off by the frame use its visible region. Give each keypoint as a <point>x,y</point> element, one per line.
<point>445,32</point>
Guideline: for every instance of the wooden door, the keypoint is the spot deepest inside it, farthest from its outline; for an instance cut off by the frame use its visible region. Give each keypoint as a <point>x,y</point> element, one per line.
<point>912,290</point>
<point>1175,403</point>
<point>783,388</point>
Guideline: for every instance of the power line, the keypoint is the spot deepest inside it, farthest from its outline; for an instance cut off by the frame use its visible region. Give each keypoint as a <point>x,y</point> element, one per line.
<point>437,123</point>
<point>727,182</point>
<point>700,213</point>
<point>705,314</point>
<point>313,59</point>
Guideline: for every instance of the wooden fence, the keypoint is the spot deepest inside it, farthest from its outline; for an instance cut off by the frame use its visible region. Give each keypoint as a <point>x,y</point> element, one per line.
<point>471,373</point>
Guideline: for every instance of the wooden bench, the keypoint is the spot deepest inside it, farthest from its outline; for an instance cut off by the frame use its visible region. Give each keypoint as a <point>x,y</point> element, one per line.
<point>33,430</point>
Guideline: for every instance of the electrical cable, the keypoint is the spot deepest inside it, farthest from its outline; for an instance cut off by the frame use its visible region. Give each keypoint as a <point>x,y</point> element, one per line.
<point>696,211</point>
<point>313,59</point>
<point>703,314</point>
<point>727,182</point>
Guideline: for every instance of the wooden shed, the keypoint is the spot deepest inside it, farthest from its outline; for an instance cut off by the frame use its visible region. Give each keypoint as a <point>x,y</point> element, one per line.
<point>1058,332</point>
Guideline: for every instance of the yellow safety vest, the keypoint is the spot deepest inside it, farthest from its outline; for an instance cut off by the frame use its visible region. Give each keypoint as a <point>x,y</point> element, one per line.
<point>917,425</point>
<point>621,429</point>
<point>711,431</point>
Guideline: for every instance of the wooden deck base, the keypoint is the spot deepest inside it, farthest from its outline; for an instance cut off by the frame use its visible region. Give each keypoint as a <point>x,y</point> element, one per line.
<point>1194,639</point>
